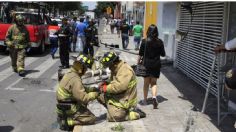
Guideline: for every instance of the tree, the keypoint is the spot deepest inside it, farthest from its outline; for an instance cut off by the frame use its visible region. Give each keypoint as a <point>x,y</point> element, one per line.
<point>102,6</point>
<point>66,7</point>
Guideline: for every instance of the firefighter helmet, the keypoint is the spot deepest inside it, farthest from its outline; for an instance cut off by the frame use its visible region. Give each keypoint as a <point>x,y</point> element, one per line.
<point>85,60</point>
<point>109,58</point>
<point>19,18</point>
<point>230,78</point>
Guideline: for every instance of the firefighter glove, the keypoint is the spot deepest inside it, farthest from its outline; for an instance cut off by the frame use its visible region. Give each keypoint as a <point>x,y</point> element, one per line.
<point>103,87</point>
<point>93,95</point>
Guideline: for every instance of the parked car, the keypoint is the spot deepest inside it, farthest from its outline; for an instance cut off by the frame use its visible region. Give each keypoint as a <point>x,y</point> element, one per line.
<point>37,25</point>
<point>59,21</point>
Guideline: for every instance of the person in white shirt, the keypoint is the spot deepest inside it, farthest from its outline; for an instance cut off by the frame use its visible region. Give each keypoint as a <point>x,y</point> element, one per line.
<point>229,46</point>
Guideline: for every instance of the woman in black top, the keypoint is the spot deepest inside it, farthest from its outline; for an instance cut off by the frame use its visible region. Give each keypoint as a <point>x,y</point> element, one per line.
<point>150,51</point>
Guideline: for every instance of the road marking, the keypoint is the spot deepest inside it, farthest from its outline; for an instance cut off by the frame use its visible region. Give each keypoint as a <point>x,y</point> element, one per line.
<point>8,72</point>
<point>47,90</point>
<point>42,68</point>
<point>4,60</point>
<point>15,89</point>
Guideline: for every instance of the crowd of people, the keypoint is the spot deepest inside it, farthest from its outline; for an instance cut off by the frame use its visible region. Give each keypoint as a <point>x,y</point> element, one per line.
<point>75,36</point>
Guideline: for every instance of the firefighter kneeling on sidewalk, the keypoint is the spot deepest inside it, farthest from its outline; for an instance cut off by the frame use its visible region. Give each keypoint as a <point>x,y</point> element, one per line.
<point>119,95</point>
<point>73,98</point>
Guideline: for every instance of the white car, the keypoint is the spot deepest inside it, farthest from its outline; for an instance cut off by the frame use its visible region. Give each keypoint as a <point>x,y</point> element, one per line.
<point>58,21</point>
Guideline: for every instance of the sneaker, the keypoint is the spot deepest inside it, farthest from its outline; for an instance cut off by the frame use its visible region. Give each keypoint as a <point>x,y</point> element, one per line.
<point>53,57</point>
<point>155,103</point>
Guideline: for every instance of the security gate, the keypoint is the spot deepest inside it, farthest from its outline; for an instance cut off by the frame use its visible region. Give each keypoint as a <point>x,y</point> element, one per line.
<point>205,29</point>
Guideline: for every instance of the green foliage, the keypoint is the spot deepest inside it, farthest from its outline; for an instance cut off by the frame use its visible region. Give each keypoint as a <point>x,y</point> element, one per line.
<point>101,7</point>
<point>118,127</point>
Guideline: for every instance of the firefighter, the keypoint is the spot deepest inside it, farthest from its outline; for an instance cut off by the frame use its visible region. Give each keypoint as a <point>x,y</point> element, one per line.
<point>73,98</point>
<point>230,79</point>
<point>90,34</point>
<point>120,94</point>
<point>64,34</point>
<point>17,40</point>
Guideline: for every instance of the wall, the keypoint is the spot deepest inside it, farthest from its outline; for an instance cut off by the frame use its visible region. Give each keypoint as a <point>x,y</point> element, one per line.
<point>166,24</point>
<point>151,10</point>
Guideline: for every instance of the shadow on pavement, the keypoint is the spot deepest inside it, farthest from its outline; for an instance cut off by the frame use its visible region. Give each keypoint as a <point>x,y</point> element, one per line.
<point>194,93</point>
<point>160,99</point>
<point>30,71</point>
<point>6,128</point>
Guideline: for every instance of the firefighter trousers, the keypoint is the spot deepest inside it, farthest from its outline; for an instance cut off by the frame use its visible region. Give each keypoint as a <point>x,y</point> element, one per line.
<point>115,113</point>
<point>17,59</point>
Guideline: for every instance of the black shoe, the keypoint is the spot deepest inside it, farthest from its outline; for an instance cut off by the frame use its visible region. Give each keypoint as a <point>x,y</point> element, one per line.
<point>53,57</point>
<point>155,103</point>
<point>140,112</point>
<point>21,73</point>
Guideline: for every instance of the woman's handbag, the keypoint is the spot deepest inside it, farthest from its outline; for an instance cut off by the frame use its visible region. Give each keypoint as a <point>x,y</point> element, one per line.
<point>140,69</point>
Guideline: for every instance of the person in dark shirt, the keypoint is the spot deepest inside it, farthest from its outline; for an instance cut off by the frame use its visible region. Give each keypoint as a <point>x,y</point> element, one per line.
<point>90,34</point>
<point>64,34</point>
<point>125,34</point>
<point>150,51</point>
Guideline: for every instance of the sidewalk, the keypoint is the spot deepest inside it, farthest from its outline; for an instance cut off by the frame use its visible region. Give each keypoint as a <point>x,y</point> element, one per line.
<point>180,101</point>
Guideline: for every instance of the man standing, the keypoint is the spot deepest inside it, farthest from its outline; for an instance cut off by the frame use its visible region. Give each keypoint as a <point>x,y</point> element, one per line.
<point>79,31</point>
<point>73,97</point>
<point>137,31</point>
<point>124,34</point>
<point>90,34</point>
<point>17,39</point>
<point>64,34</point>
<point>73,26</point>
<point>120,94</point>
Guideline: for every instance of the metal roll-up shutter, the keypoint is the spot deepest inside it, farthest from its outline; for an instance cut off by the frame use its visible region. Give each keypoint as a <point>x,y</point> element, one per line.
<point>194,55</point>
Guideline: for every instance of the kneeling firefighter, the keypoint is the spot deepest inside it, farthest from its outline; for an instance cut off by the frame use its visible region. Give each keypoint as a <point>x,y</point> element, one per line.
<point>73,98</point>
<point>119,95</point>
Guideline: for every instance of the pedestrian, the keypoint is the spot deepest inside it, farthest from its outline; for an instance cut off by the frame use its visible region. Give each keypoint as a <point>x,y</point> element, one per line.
<point>79,31</point>
<point>138,33</point>
<point>73,27</point>
<point>131,27</point>
<point>90,33</point>
<point>120,94</point>
<point>64,34</point>
<point>118,23</point>
<point>124,34</point>
<point>17,40</point>
<point>73,97</point>
<point>53,38</point>
<point>112,25</point>
<point>150,51</point>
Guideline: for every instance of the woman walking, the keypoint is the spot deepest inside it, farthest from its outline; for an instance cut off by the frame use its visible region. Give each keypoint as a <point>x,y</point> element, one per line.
<point>150,51</point>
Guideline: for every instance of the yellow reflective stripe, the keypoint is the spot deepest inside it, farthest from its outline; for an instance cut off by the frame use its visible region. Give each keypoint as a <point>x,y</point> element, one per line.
<point>63,93</point>
<point>20,69</point>
<point>127,105</point>
<point>70,122</point>
<point>132,83</point>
